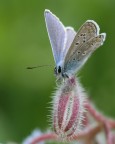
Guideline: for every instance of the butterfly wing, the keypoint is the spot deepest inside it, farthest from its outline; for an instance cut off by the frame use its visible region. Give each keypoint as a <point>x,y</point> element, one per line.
<point>85,42</point>
<point>70,34</point>
<point>56,33</point>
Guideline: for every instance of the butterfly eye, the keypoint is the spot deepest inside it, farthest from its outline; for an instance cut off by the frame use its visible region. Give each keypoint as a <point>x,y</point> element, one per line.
<point>59,69</point>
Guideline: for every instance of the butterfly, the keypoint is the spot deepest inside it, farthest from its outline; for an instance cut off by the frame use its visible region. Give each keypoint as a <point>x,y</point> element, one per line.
<point>71,49</point>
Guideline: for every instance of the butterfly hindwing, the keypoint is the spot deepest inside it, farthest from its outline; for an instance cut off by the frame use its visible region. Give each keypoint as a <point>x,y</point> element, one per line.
<point>70,32</point>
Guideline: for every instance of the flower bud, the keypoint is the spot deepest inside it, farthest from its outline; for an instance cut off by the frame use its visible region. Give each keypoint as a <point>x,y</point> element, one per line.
<point>68,109</point>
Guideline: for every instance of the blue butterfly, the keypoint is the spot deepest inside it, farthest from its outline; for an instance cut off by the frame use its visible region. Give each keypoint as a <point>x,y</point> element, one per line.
<point>71,49</point>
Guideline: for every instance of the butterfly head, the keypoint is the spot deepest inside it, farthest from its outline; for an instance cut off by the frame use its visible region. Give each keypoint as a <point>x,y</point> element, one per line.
<point>59,72</point>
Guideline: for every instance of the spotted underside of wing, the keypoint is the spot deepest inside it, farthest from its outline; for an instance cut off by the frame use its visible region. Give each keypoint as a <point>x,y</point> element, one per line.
<point>82,53</point>
<point>85,42</point>
<point>87,31</point>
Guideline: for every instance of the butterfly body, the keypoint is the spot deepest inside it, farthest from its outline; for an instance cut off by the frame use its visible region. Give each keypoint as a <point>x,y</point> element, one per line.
<point>71,49</point>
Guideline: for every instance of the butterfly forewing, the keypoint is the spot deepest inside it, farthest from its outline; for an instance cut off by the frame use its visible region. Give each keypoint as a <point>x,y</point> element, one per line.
<point>78,58</point>
<point>56,33</point>
<point>88,30</point>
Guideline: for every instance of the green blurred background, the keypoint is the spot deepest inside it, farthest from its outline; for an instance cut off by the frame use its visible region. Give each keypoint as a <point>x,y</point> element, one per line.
<point>25,94</point>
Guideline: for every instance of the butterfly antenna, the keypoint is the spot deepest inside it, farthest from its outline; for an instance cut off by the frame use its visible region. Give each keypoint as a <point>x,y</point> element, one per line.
<point>33,67</point>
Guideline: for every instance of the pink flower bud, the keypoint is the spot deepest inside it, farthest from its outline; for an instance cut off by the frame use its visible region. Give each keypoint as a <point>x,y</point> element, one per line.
<point>68,109</point>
